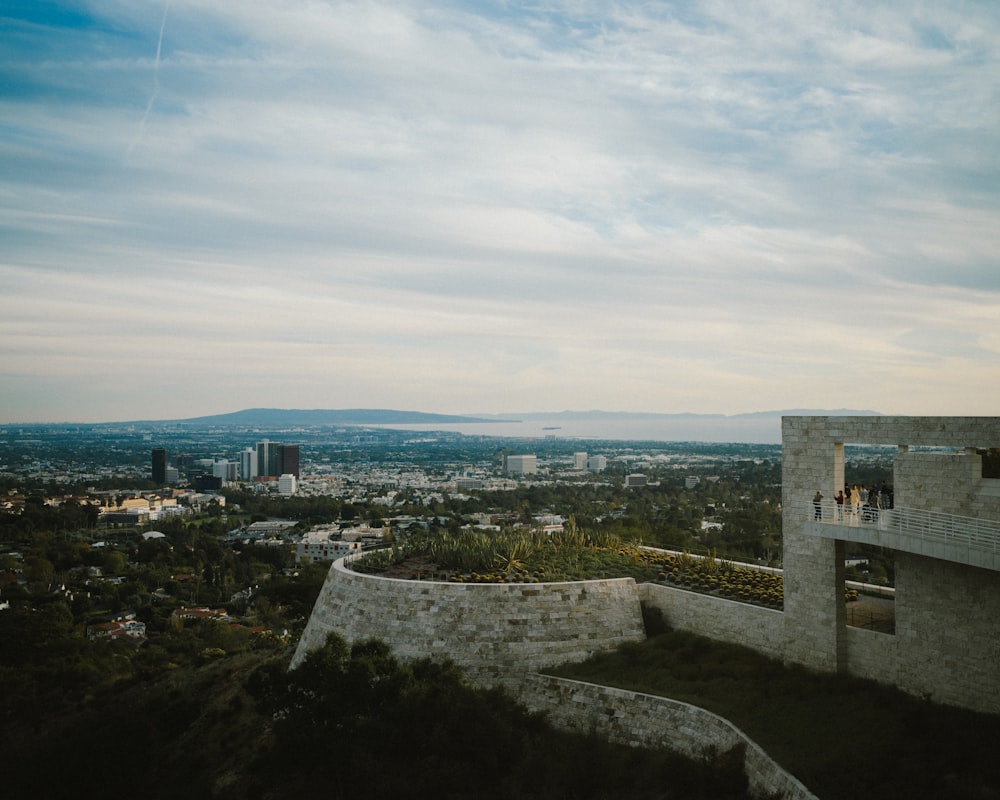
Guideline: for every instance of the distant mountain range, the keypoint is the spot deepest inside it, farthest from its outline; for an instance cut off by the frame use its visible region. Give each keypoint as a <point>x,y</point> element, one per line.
<point>756,427</point>
<point>388,416</point>
<point>266,417</point>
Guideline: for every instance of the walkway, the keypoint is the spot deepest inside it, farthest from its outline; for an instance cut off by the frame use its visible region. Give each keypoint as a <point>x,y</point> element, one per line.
<point>951,537</point>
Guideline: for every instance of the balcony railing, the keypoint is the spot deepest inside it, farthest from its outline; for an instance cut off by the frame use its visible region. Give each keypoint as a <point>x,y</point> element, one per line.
<point>968,540</point>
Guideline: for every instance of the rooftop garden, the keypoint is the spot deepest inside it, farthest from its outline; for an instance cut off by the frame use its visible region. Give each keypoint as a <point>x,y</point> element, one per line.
<point>572,554</point>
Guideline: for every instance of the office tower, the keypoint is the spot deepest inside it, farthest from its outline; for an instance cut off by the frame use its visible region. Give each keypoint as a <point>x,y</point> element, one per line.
<point>579,461</point>
<point>248,464</point>
<point>288,459</point>
<point>159,474</point>
<point>228,471</point>
<point>267,459</point>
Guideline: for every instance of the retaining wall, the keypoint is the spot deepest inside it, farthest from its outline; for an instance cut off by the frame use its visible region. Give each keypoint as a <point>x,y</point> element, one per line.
<point>488,630</point>
<point>646,720</point>
<point>761,629</point>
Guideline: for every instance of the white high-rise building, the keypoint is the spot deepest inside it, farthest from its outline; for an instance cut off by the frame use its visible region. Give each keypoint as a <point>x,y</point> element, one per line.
<point>579,461</point>
<point>597,463</point>
<point>228,471</point>
<point>287,485</point>
<point>248,464</point>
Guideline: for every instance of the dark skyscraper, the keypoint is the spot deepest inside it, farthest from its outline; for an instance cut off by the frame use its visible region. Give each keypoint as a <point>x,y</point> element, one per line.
<point>288,459</point>
<point>267,458</point>
<point>274,459</point>
<point>159,465</point>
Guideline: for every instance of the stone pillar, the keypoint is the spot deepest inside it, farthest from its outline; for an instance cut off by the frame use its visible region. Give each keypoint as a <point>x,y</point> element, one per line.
<point>815,613</point>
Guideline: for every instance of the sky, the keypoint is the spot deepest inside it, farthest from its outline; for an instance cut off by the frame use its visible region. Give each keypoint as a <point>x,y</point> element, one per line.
<point>490,207</point>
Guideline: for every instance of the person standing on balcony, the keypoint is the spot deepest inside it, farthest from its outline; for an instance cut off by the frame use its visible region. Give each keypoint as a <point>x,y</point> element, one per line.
<point>839,500</point>
<point>818,505</point>
<point>873,504</point>
<point>855,503</point>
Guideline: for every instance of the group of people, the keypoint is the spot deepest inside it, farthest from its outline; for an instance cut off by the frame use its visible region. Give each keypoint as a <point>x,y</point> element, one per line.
<point>864,504</point>
<point>858,502</point>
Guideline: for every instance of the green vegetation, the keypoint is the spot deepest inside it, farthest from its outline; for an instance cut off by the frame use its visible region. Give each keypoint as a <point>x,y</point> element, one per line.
<point>354,722</point>
<point>842,737</point>
<point>568,555</point>
<point>350,722</point>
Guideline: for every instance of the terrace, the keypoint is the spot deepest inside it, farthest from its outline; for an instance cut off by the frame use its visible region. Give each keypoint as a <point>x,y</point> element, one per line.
<point>949,537</point>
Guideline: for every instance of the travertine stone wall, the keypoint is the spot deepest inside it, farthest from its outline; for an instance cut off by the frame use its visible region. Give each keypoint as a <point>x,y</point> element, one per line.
<point>488,630</point>
<point>761,629</point>
<point>641,719</point>
<point>872,655</point>
<point>947,640</point>
<point>948,482</point>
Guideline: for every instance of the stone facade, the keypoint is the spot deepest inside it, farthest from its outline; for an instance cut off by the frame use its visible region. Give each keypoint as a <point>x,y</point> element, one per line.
<point>947,641</point>
<point>489,630</point>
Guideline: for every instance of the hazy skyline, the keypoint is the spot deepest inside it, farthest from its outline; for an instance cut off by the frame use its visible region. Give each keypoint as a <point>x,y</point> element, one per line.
<point>478,208</point>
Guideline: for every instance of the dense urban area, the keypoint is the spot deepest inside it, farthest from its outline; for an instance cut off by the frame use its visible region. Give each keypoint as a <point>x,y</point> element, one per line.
<point>130,553</point>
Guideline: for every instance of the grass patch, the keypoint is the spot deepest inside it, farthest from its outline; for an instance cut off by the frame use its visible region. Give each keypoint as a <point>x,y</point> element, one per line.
<point>842,737</point>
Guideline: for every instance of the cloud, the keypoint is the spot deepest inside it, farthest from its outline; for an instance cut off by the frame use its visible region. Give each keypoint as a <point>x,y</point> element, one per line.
<point>696,207</point>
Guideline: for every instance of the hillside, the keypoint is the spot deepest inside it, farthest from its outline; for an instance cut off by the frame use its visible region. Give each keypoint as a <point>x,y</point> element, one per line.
<point>347,724</point>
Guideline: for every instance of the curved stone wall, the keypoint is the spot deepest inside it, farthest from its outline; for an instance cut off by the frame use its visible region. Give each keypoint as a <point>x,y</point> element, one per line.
<point>634,718</point>
<point>488,630</point>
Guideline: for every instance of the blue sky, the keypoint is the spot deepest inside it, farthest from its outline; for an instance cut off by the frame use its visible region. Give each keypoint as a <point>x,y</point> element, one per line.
<point>495,207</point>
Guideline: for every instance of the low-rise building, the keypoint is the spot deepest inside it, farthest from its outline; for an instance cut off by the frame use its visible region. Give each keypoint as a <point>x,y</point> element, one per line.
<point>323,546</point>
<point>200,613</point>
<point>115,629</point>
<point>521,465</point>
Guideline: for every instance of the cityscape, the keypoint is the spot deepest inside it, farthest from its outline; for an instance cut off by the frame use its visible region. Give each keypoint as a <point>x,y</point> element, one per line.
<point>164,541</point>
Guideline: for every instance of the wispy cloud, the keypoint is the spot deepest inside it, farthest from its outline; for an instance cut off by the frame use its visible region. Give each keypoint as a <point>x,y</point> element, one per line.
<point>156,80</point>
<point>663,207</point>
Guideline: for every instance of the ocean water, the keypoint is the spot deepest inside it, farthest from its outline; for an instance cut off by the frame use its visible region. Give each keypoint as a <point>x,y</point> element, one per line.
<point>743,429</point>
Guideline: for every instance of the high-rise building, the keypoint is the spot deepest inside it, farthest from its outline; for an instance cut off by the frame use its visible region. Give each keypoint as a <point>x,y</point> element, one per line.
<point>274,459</point>
<point>228,471</point>
<point>159,472</point>
<point>580,461</point>
<point>248,464</point>
<point>288,459</point>
<point>267,459</point>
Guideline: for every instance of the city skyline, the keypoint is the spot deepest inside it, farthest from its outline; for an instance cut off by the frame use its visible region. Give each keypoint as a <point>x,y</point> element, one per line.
<point>460,209</point>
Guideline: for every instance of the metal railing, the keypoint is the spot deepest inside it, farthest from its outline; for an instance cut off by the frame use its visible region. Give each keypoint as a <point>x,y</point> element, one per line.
<point>977,535</point>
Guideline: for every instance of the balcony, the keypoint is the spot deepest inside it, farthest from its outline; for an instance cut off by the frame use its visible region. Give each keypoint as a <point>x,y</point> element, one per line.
<point>949,537</point>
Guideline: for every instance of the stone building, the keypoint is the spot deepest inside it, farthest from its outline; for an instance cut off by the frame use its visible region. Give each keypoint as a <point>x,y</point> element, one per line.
<point>943,532</point>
